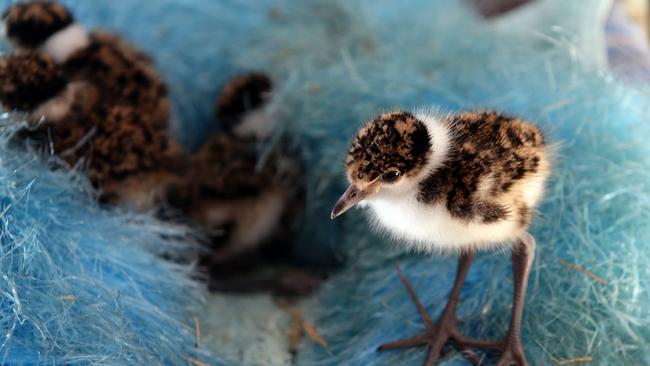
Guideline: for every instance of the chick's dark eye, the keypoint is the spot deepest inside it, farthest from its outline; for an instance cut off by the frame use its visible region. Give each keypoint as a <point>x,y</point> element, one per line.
<point>391,176</point>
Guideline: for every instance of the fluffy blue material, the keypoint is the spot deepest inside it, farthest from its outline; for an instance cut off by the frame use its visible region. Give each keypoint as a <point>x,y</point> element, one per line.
<point>338,63</point>
<point>84,285</point>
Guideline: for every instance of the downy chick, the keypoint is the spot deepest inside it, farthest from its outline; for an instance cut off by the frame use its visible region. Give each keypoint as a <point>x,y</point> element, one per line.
<point>94,101</point>
<point>247,202</point>
<point>459,183</point>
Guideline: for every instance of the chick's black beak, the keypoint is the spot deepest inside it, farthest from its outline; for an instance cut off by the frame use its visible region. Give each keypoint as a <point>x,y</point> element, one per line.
<point>351,197</point>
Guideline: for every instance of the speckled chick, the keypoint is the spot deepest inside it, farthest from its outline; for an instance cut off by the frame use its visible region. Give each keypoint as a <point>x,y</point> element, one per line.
<point>109,109</point>
<point>236,197</point>
<point>458,182</point>
<point>246,199</point>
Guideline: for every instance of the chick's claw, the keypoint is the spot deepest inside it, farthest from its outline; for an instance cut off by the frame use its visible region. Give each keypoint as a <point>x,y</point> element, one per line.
<point>512,355</point>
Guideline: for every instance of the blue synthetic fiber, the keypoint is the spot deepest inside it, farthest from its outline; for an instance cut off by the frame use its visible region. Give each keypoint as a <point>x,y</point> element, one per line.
<point>84,285</point>
<point>338,63</point>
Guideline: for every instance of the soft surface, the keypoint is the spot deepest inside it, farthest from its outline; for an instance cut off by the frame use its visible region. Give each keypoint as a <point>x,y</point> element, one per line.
<point>338,63</point>
<point>80,284</point>
<point>247,329</point>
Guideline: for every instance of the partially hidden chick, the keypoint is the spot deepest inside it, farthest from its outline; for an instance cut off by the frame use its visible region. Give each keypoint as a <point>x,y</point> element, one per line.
<point>93,99</point>
<point>240,107</point>
<point>459,183</point>
<point>246,201</point>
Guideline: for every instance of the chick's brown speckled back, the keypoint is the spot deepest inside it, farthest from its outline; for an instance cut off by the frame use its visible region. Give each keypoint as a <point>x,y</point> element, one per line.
<point>124,75</point>
<point>227,168</point>
<point>28,79</point>
<point>490,154</point>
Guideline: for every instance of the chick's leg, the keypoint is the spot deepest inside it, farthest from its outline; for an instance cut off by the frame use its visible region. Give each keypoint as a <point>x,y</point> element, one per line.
<point>446,329</point>
<point>522,261</point>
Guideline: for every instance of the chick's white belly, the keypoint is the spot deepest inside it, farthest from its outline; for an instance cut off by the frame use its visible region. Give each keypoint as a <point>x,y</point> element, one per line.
<point>432,228</point>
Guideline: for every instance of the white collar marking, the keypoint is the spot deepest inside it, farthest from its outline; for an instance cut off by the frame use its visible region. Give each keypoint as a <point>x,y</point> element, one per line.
<point>62,44</point>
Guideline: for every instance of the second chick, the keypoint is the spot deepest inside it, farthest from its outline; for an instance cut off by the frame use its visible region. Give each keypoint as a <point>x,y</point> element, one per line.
<point>246,202</point>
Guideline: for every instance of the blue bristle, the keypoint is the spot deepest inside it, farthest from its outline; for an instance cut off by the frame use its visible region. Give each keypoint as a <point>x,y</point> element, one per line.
<point>336,64</point>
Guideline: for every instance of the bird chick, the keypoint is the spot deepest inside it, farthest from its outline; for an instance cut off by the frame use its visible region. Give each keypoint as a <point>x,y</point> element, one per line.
<point>227,187</point>
<point>122,73</point>
<point>96,101</point>
<point>240,107</point>
<point>245,199</point>
<point>460,182</point>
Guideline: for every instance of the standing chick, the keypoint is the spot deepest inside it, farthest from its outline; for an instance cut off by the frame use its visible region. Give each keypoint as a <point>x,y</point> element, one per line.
<point>104,105</point>
<point>461,182</point>
<point>245,201</point>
